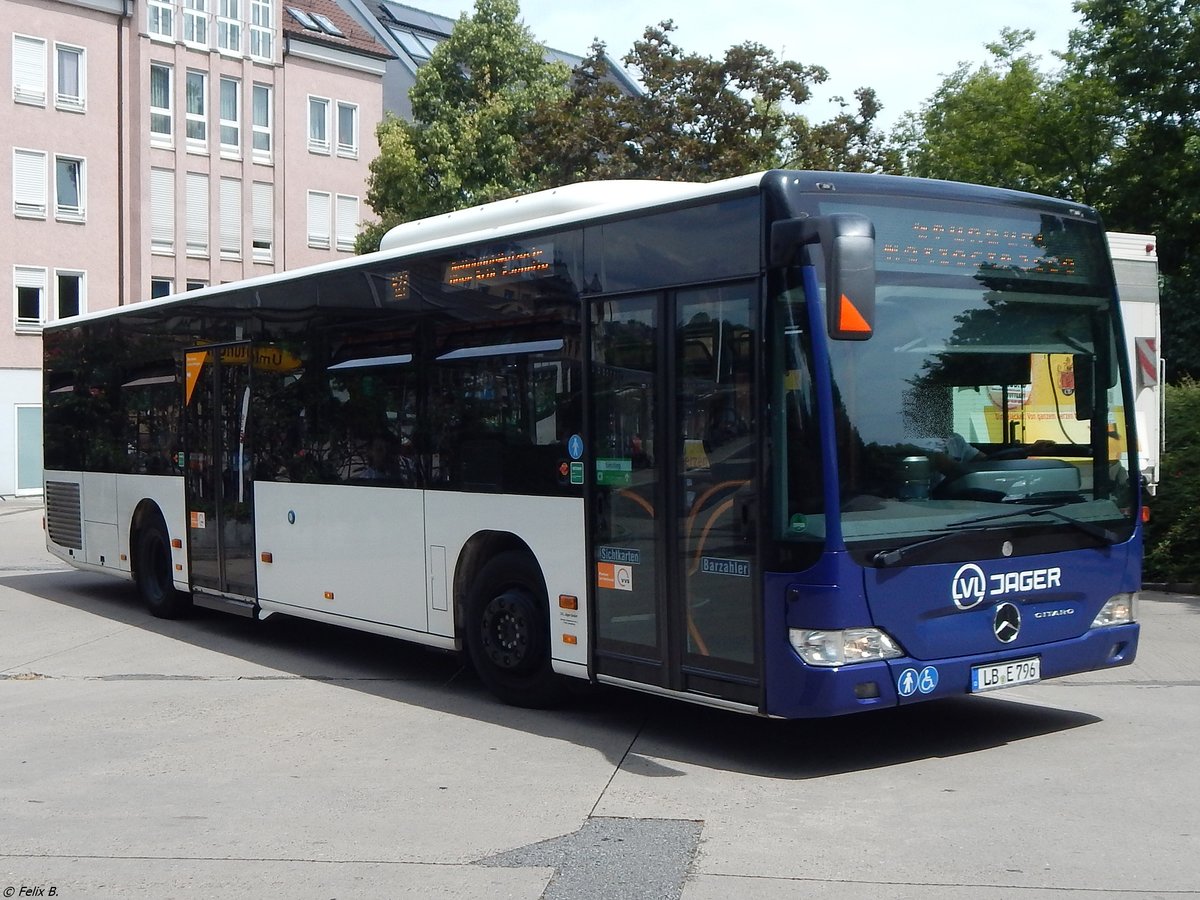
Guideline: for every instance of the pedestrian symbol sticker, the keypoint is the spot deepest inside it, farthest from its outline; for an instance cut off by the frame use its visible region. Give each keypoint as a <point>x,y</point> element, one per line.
<point>575,447</point>
<point>911,681</point>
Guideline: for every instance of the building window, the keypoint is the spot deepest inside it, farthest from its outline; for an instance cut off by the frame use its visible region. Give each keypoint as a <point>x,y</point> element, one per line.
<point>347,222</point>
<point>262,203</point>
<point>29,70</point>
<point>161,19</point>
<point>29,298</point>
<point>29,183</point>
<point>231,115</point>
<point>70,80</point>
<point>231,218</point>
<point>197,124</point>
<point>195,23</point>
<point>229,26</point>
<point>69,294</point>
<point>195,285</point>
<point>347,136</point>
<point>262,30</point>
<point>162,211</point>
<point>318,125</point>
<point>197,214</point>
<point>262,123</point>
<point>161,123</point>
<point>318,220</point>
<point>69,192</point>
<point>161,287</point>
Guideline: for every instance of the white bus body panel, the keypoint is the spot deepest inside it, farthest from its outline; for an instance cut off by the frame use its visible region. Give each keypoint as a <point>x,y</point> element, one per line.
<point>349,551</point>
<point>552,527</point>
<point>1135,265</point>
<point>107,505</point>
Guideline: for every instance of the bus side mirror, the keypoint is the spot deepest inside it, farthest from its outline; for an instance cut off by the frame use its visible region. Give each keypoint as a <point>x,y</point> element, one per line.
<point>848,242</point>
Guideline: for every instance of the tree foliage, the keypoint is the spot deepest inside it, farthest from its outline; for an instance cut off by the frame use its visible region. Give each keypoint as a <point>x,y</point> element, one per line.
<point>1009,124</point>
<point>849,142</point>
<point>471,106</point>
<point>492,119</point>
<point>702,118</point>
<point>1149,51</point>
<point>1116,126</point>
<point>1173,554</point>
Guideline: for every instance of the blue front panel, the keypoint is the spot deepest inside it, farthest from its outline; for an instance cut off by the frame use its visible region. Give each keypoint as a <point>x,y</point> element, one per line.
<point>948,619</point>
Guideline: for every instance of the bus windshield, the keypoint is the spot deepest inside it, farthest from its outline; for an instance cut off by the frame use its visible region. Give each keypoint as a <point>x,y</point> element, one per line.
<point>989,396</point>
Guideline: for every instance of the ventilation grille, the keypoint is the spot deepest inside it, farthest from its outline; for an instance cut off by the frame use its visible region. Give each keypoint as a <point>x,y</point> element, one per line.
<point>63,520</point>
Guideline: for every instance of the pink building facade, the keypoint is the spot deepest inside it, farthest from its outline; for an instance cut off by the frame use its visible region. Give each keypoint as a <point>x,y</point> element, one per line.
<point>155,146</point>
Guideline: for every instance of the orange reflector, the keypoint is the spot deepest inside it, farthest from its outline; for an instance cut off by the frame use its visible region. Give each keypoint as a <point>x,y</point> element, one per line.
<point>178,567</point>
<point>329,595</point>
<point>570,639</point>
<point>265,556</point>
<point>177,544</point>
<point>124,557</point>
<point>1145,514</point>
<point>850,319</point>
<point>566,601</point>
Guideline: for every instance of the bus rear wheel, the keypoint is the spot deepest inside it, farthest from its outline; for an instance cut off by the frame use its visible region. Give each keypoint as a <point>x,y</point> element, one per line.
<point>152,573</point>
<point>508,632</point>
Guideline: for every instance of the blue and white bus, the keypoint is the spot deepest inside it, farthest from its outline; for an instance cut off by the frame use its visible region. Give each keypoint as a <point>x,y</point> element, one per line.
<point>794,444</point>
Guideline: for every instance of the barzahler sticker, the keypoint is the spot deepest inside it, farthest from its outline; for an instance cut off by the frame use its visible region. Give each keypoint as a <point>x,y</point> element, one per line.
<point>712,565</point>
<point>614,577</point>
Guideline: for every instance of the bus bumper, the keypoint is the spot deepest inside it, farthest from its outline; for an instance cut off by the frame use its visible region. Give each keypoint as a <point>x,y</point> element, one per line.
<point>797,690</point>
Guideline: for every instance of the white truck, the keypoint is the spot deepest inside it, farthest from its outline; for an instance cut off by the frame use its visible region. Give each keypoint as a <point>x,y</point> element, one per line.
<point>1135,264</point>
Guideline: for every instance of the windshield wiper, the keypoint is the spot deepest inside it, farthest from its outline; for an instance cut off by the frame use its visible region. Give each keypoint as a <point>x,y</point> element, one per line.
<point>1053,510</point>
<point>887,558</point>
<point>896,555</point>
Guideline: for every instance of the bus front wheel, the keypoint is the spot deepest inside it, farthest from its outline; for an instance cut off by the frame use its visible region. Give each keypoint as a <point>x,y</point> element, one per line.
<point>153,573</point>
<point>508,634</point>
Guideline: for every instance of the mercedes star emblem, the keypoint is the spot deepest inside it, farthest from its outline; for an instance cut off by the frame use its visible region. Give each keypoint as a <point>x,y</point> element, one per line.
<point>1007,624</point>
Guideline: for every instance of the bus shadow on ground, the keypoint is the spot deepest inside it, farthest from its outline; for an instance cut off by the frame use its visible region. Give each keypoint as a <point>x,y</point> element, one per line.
<point>643,734</point>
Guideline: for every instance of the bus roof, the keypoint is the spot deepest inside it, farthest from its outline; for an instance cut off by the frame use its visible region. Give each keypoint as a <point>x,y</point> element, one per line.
<point>576,204</point>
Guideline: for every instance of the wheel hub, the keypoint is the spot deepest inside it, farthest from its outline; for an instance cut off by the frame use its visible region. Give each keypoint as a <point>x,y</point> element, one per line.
<point>506,630</point>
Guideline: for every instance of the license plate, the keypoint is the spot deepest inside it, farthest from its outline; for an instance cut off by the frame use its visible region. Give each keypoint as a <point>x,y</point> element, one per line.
<point>995,676</point>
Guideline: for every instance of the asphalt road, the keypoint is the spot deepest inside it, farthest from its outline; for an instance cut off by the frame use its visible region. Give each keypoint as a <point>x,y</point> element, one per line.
<point>217,757</point>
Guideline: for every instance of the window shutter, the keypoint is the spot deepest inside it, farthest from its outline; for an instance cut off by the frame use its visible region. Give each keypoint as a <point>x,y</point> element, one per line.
<point>347,221</point>
<point>162,211</point>
<point>29,285</point>
<point>29,183</point>
<point>197,214</point>
<point>318,220</point>
<point>262,201</point>
<point>29,69</point>
<point>231,218</point>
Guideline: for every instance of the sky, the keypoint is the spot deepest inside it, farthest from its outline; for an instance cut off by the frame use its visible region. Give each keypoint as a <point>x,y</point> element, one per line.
<point>901,48</point>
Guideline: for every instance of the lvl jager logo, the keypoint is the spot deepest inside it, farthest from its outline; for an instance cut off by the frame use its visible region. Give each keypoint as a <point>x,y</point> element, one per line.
<point>970,585</point>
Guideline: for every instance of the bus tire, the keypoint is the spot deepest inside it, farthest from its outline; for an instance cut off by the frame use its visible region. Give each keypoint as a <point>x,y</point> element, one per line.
<point>152,572</point>
<point>508,632</point>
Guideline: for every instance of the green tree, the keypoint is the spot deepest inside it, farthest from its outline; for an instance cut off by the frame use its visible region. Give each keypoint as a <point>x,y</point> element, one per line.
<point>1149,52</point>
<point>1009,124</point>
<point>467,143</point>
<point>1172,552</point>
<point>849,142</point>
<point>697,119</point>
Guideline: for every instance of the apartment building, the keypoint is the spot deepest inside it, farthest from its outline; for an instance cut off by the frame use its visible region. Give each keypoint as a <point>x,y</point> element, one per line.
<point>156,146</point>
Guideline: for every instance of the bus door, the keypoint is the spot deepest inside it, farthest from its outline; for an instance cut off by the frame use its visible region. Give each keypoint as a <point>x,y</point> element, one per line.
<point>672,504</point>
<point>219,479</point>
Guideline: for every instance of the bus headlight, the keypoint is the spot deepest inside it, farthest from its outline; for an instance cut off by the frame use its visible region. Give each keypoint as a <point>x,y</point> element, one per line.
<point>1121,609</point>
<point>823,647</point>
